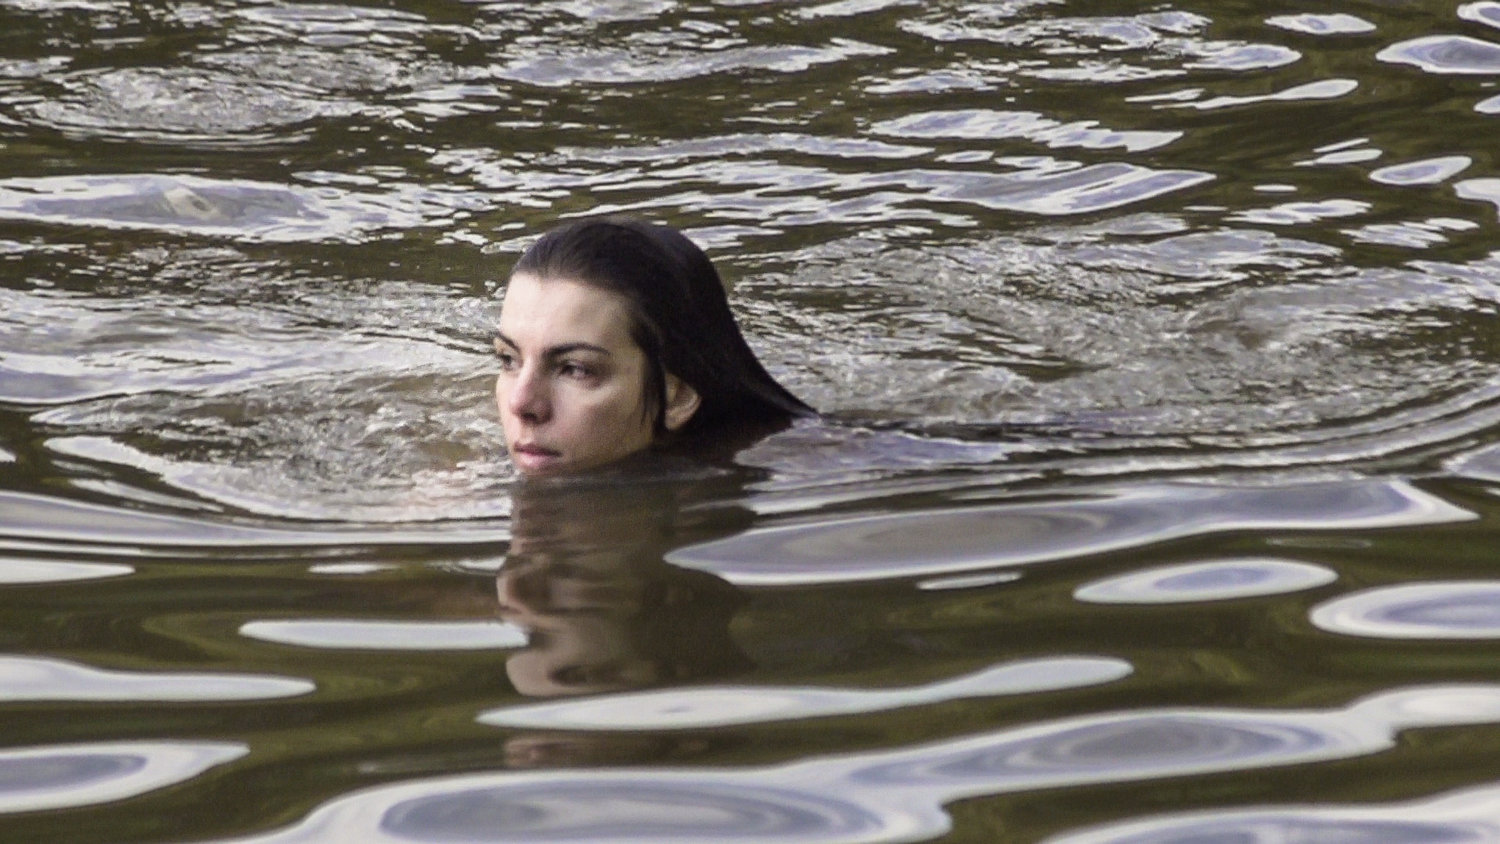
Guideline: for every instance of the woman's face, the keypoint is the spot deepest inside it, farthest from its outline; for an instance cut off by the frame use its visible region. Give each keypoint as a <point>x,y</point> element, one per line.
<point>572,385</point>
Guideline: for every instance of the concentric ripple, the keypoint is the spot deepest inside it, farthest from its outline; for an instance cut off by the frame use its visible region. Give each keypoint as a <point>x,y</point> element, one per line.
<point>1447,610</point>
<point>52,777</point>
<point>1466,816</point>
<point>943,541</point>
<point>1446,54</point>
<point>1218,580</point>
<point>886,796</point>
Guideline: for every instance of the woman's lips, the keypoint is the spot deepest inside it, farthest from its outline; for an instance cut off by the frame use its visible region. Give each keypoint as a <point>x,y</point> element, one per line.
<point>531,458</point>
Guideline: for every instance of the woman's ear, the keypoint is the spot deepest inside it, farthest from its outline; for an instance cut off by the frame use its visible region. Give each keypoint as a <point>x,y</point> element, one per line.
<point>682,403</point>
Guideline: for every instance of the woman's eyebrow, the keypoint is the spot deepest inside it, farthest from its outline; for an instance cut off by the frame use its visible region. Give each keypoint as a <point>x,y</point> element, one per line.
<point>560,349</point>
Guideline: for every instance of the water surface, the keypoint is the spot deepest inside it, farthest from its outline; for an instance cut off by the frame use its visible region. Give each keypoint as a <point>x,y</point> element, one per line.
<point>1155,498</point>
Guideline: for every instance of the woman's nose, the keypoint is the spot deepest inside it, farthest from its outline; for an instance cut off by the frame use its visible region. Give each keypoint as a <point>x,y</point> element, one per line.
<point>527,397</point>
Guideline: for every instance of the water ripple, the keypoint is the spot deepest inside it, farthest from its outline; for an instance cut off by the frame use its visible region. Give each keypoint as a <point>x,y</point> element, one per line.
<point>379,634</point>
<point>17,571</point>
<point>180,106</point>
<point>56,776</point>
<point>1324,24</point>
<point>1485,11</point>
<point>1459,817</point>
<point>911,544</point>
<point>1428,171</point>
<point>1324,89</point>
<point>37,678</point>
<point>887,795</point>
<point>1219,580</point>
<point>994,125</point>
<point>1446,610</point>
<point>125,531</point>
<point>717,706</point>
<point>650,63</point>
<point>226,208</point>
<point>1446,54</point>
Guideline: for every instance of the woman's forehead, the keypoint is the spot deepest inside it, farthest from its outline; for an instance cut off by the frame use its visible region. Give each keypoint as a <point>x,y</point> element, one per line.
<point>562,310</point>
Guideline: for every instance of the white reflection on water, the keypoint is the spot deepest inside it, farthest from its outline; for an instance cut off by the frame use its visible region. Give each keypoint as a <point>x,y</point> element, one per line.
<point>367,634</point>
<point>1456,54</point>
<point>893,795</point>
<point>1314,24</point>
<point>1217,580</point>
<point>56,776</point>
<point>1471,816</point>
<point>941,541</point>
<point>1449,610</point>
<point>992,125</point>
<point>17,571</point>
<point>716,706</point>
<point>123,531</point>
<point>38,678</point>
<point>227,208</point>
<point>1428,171</point>
<point>1485,11</point>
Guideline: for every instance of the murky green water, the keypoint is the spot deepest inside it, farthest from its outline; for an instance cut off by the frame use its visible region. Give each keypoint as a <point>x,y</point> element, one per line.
<point>1156,498</point>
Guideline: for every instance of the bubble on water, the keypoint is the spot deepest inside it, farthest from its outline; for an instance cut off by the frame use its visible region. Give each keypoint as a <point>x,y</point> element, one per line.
<point>1447,54</point>
<point>1218,580</point>
<point>1447,610</point>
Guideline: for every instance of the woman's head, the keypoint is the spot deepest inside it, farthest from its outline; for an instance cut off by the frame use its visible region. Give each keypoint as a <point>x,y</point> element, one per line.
<point>616,335</point>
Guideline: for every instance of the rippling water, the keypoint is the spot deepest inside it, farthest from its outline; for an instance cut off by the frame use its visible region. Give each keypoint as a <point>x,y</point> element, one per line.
<point>1155,497</point>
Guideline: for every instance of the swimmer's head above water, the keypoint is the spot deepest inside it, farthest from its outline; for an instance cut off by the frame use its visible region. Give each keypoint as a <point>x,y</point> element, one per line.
<point>616,337</point>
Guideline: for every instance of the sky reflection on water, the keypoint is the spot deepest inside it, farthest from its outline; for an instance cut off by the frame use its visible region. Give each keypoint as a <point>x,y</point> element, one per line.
<point>892,795</point>
<point>928,543</point>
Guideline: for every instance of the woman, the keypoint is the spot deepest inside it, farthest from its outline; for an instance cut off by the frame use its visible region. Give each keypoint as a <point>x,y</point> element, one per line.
<point>616,337</point>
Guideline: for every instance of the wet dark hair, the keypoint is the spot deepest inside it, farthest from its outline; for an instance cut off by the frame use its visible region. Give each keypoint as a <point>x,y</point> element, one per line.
<point>680,318</point>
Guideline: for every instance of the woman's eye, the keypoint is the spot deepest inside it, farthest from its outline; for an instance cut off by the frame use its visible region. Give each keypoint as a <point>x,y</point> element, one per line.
<point>570,369</point>
<point>507,360</point>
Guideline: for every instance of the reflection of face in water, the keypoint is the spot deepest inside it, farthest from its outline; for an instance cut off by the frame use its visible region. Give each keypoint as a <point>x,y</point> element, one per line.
<point>585,577</point>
